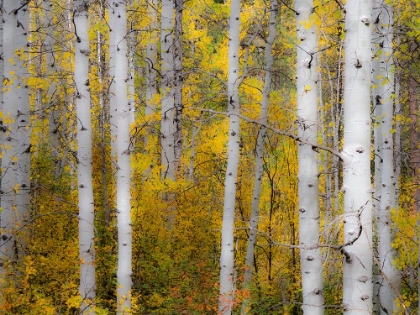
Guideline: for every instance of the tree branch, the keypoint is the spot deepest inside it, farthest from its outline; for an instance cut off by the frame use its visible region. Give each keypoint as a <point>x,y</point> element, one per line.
<point>278,131</point>
<point>15,11</point>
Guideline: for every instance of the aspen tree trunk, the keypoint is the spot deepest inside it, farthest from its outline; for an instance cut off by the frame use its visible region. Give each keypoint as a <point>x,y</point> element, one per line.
<point>53,113</point>
<point>384,101</point>
<point>397,136</point>
<point>151,65</point>
<point>377,136</point>
<point>84,157</point>
<point>10,139</point>
<point>259,167</point>
<point>167,132</point>
<point>227,262</point>
<point>23,195</point>
<point>415,151</point>
<point>357,286</point>
<point>151,58</point>
<point>178,81</point>
<point>111,96</point>
<point>131,74</point>
<point>124,270</point>
<point>307,86</point>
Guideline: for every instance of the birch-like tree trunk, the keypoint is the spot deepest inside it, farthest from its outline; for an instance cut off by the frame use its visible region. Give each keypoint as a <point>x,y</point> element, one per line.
<point>84,157</point>
<point>9,137</point>
<point>131,74</point>
<point>124,270</point>
<point>377,138</point>
<point>259,156</point>
<point>167,132</point>
<point>227,261</point>
<point>178,81</point>
<point>307,112</point>
<point>111,95</point>
<point>413,88</point>
<point>53,112</point>
<point>384,93</point>
<point>151,65</point>
<point>23,191</point>
<point>357,284</point>
<point>151,58</point>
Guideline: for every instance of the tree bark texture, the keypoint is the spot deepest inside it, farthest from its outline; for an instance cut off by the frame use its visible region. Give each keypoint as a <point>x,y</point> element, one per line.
<point>167,132</point>
<point>307,112</point>
<point>227,261</point>
<point>357,286</point>
<point>84,159</point>
<point>124,270</point>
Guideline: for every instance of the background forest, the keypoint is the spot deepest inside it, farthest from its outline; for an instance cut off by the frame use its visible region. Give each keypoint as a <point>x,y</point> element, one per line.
<point>192,157</point>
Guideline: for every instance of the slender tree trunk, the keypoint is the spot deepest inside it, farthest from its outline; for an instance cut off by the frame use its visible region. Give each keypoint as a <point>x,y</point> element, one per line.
<point>111,96</point>
<point>178,82</point>
<point>151,58</point>
<point>259,167</point>
<point>227,262</point>
<point>53,112</point>
<point>23,191</point>
<point>357,286</point>
<point>124,270</point>
<point>131,74</point>
<point>167,132</point>
<point>307,111</point>
<point>84,157</point>
<point>337,114</point>
<point>384,100</point>
<point>377,135</point>
<point>415,151</point>
<point>10,139</point>
<point>151,69</point>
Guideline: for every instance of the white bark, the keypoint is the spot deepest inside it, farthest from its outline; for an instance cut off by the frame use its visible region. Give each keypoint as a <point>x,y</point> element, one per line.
<point>124,270</point>
<point>384,99</point>
<point>53,113</point>
<point>357,286</point>
<point>131,75</point>
<point>377,135</point>
<point>23,195</point>
<point>167,132</point>
<point>9,133</point>
<point>259,167</point>
<point>112,100</point>
<point>307,93</point>
<point>84,157</point>
<point>151,58</point>
<point>227,282</point>
<point>151,68</point>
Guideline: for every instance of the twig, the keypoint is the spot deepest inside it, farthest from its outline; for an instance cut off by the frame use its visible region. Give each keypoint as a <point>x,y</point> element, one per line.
<point>15,11</point>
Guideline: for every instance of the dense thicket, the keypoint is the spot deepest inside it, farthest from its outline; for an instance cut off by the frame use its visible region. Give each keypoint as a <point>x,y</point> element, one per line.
<point>164,107</point>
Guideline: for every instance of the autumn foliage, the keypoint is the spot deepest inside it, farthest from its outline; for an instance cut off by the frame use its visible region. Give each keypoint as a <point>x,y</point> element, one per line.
<point>176,239</point>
